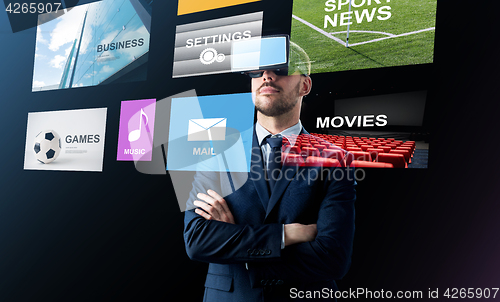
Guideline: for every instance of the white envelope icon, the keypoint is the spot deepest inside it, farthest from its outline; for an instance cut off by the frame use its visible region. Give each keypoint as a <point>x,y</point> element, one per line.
<point>207,129</point>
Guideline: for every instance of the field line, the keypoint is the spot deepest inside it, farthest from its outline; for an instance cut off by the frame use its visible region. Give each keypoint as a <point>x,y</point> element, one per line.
<point>319,30</point>
<point>393,36</point>
<point>363,31</point>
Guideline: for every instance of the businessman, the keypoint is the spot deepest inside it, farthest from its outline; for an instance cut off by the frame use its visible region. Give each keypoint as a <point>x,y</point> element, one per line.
<point>281,232</point>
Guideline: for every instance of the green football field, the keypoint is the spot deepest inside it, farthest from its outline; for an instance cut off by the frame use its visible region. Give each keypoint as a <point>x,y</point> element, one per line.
<point>406,38</point>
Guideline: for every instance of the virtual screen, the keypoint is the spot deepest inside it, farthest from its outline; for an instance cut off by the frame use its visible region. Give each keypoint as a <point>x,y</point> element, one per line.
<point>65,140</point>
<point>193,6</point>
<point>136,133</point>
<point>92,44</point>
<point>344,35</point>
<point>211,133</point>
<point>399,109</point>
<point>205,47</point>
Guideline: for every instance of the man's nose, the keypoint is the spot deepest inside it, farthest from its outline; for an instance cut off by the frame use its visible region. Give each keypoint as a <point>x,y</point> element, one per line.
<point>268,75</point>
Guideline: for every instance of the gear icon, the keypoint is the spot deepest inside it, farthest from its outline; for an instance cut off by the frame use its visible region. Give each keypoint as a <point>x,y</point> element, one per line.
<point>208,56</point>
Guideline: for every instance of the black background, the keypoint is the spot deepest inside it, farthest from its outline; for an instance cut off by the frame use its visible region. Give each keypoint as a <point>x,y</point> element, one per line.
<point>117,235</point>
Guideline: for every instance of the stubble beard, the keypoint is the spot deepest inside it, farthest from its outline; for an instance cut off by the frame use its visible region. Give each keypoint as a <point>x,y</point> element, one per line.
<point>284,103</point>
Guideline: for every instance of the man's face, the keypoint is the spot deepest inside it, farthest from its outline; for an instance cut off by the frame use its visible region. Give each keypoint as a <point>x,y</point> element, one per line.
<point>276,95</point>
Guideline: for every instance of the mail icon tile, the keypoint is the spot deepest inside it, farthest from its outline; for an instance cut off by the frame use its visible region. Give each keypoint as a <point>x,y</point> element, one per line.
<point>209,129</point>
<point>211,133</point>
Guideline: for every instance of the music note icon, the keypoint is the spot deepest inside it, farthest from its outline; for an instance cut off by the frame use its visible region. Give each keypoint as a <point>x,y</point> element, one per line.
<point>136,134</point>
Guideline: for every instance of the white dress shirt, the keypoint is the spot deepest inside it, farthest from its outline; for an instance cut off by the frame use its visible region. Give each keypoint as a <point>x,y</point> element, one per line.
<point>290,134</point>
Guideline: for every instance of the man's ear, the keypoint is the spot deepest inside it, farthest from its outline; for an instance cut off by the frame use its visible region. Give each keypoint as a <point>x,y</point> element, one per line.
<point>306,85</point>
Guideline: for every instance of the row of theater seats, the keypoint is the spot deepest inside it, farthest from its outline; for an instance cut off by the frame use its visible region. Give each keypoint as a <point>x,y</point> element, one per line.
<point>341,151</point>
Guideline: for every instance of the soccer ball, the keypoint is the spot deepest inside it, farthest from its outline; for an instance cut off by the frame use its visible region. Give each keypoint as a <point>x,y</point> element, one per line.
<point>47,146</point>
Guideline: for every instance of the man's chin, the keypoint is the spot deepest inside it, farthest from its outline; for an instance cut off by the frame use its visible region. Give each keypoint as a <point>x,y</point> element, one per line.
<point>270,111</point>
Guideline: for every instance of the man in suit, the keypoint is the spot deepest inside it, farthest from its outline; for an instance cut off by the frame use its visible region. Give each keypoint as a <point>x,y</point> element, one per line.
<point>286,232</point>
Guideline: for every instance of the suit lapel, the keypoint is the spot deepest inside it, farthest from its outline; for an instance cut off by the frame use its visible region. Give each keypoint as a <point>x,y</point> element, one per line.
<point>287,174</point>
<point>257,172</point>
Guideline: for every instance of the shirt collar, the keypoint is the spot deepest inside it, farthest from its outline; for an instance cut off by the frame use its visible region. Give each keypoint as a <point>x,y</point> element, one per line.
<point>290,133</point>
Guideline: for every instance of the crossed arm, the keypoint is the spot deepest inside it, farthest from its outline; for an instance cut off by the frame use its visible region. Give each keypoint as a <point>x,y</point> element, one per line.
<point>213,207</point>
<point>317,252</point>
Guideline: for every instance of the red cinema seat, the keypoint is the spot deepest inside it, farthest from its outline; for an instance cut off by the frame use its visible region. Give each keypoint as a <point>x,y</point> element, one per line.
<point>365,147</point>
<point>333,153</point>
<point>409,149</point>
<point>412,148</point>
<point>289,149</point>
<point>357,155</point>
<point>313,161</point>
<point>350,148</point>
<point>405,153</point>
<point>320,147</point>
<point>307,151</point>
<point>397,160</point>
<point>386,149</point>
<point>391,139</point>
<point>369,164</point>
<point>326,145</point>
<point>374,152</point>
<point>290,159</point>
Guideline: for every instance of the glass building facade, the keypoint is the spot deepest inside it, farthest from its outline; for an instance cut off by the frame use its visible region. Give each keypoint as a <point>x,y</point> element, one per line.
<point>110,43</point>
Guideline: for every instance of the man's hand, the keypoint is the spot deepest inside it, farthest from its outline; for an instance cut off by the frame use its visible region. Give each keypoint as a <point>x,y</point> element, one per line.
<point>213,207</point>
<point>298,233</point>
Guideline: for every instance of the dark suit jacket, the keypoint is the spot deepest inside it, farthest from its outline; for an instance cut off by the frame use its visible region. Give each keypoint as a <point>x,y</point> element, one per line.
<point>305,195</point>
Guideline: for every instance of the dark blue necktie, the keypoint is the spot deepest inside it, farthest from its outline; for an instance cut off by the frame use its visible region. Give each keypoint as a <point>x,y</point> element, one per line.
<point>274,164</point>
